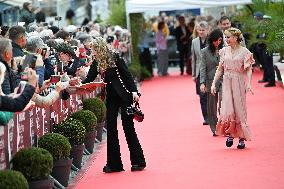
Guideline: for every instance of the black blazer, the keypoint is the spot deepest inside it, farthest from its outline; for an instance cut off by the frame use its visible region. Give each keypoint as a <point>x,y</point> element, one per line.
<point>118,79</point>
<point>17,104</point>
<point>182,43</point>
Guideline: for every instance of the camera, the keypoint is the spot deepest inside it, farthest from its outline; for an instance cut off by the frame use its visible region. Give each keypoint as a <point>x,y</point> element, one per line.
<point>75,48</point>
<point>58,18</point>
<point>43,52</point>
<point>135,110</point>
<point>30,61</point>
<point>24,76</point>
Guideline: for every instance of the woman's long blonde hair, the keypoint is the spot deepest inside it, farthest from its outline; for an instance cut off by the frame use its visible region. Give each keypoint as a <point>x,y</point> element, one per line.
<point>105,55</point>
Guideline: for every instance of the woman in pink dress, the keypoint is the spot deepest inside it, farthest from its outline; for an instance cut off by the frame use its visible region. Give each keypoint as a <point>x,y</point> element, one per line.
<point>235,63</point>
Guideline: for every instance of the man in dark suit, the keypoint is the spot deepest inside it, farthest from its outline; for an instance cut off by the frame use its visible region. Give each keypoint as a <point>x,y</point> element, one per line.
<point>264,57</point>
<point>196,46</point>
<point>182,36</point>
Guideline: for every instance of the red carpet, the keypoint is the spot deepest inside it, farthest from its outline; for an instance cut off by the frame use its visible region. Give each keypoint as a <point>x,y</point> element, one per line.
<point>182,154</point>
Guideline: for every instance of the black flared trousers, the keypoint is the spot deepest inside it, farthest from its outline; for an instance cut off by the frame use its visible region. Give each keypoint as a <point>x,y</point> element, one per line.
<point>114,102</point>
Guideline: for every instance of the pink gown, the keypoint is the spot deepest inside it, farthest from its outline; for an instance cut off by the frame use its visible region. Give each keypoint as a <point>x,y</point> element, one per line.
<point>233,114</point>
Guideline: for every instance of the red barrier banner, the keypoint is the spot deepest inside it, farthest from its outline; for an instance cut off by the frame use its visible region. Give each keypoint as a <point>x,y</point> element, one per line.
<point>28,126</point>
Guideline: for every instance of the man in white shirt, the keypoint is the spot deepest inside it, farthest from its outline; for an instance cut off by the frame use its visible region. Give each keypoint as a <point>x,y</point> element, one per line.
<point>224,24</point>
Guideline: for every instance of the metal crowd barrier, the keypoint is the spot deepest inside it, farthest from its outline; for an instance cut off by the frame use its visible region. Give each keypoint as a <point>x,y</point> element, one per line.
<point>27,126</point>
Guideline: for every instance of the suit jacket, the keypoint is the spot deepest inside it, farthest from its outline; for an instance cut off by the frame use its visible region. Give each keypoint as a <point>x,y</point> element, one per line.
<point>118,79</point>
<point>208,67</point>
<point>182,43</point>
<point>196,57</point>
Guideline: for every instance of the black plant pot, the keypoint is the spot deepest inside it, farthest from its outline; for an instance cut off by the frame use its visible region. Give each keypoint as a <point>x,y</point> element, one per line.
<point>90,140</point>
<point>77,153</point>
<point>41,184</point>
<point>61,171</point>
<point>99,129</point>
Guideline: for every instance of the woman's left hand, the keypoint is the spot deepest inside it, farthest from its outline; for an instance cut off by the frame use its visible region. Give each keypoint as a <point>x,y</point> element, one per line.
<point>135,96</point>
<point>249,89</point>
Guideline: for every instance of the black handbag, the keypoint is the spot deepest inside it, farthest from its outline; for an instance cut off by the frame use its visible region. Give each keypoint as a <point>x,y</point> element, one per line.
<point>135,110</point>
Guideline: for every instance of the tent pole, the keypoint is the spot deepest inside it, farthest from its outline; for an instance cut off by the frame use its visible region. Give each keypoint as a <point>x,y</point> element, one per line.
<point>129,30</point>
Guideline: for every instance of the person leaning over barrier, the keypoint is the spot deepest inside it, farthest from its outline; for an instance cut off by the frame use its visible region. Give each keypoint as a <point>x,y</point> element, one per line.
<point>69,59</point>
<point>121,92</point>
<point>46,101</point>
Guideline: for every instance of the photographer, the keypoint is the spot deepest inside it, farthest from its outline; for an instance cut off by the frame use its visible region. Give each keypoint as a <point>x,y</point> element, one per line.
<point>121,92</point>
<point>10,79</point>
<point>36,46</point>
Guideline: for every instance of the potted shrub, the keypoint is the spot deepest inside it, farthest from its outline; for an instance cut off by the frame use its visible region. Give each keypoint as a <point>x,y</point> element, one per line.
<point>13,179</point>
<point>75,131</point>
<point>89,120</point>
<point>36,165</point>
<point>59,147</point>
<point>97,106</point>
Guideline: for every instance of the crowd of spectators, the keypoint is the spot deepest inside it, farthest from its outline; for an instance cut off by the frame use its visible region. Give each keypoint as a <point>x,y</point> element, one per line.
<point>53,57</point>
<point>183,29</point>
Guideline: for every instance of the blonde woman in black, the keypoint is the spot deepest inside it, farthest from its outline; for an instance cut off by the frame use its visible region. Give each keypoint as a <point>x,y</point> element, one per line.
<point>121,92</point>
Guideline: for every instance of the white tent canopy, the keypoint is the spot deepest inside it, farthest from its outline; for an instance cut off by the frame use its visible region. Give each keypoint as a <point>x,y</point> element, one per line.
<point>138,6</point>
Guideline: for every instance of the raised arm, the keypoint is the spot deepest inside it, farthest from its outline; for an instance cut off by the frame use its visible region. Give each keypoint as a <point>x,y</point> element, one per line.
<point>19,103</point>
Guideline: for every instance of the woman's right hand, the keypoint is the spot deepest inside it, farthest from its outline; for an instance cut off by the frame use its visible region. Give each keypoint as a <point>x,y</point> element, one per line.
<point>213,90</point>
<point>202,88</point>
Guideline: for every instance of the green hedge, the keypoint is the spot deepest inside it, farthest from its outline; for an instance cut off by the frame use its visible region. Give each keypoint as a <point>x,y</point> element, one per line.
<point>33,163</point>
<point>10,179</point>
<point>97,106</point>
<point>72,129</point>
<point>57,144</point>
<point>87,117</point>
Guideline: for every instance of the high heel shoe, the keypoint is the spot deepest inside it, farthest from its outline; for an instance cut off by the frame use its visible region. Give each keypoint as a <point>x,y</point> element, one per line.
<point>108,169</point>
<point>241,144</point>
<point>138,167</point>
<point>229,142</point>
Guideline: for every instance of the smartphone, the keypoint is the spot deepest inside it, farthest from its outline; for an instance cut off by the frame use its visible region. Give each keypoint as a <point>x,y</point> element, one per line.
<point>43,52</point>
<point>24,76</point>
<point>74,48</point>
<point>21,87</point>
<point>30,61</point>
<point>54,78</point>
